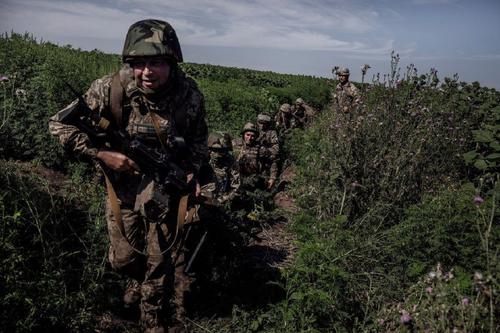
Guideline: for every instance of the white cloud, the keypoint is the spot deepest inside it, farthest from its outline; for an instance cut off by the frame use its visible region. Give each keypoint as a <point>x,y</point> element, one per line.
<point>278,24</point>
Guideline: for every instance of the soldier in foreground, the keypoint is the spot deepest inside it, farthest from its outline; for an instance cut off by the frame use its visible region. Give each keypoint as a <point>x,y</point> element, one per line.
<point>153,103</point>
<point>345,96</point>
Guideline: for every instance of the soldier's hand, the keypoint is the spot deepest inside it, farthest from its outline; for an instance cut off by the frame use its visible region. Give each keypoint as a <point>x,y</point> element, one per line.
<point>189,178</point>
<point>117,161</point>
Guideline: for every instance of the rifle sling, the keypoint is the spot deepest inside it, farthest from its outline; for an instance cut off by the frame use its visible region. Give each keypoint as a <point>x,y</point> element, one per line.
<point>183,216</point>
<point>115,208</point>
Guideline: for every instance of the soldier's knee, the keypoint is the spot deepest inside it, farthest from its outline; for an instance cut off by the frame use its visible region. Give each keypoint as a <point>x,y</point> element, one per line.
<point>122,259</point>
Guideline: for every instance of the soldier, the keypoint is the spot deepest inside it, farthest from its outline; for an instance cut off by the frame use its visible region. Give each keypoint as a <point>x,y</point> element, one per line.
<point>223,178</point>
<point>150,99</point>
<point>284,118</point>
<point>250,162</point>
<point>346,96</point>
<point>269,146</point>
<point>302,108</point>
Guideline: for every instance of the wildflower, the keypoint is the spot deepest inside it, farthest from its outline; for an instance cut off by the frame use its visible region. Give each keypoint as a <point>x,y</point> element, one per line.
<point>428,290</point>
<point>381,321</point>
<point>355,184</point>
<point>478,276</point>
<point>478,200</point>
<point>465,301</point>
<point>405,318</point>
<point>432,275</point>
<point>4,78</point>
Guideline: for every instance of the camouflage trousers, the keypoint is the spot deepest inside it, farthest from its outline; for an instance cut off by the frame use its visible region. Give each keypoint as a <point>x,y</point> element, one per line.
<point>152,268</point>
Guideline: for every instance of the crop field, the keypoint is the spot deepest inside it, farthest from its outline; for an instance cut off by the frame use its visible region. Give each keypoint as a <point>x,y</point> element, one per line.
<point>396,226</point>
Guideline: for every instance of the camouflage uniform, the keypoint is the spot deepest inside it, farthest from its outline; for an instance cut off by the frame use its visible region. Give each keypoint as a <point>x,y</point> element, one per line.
<point>346,96</point>
<point>149,234</point>
<point>251,164</point>
<point>303,108</point>
<point>269,146</point>
<point>222,176</point>
<point>285,119</point>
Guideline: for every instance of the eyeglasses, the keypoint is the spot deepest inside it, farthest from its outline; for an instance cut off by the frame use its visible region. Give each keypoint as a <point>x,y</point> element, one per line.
<point>142,63</point>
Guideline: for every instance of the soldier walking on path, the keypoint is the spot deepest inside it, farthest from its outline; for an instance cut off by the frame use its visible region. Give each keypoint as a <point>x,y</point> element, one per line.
<point>346,96</point>
<point>250,162</point>
<point>285,119</point>
<point>223,175</point>
<point>301,107</point>
<point>151,100</point>
<point>269,147</point>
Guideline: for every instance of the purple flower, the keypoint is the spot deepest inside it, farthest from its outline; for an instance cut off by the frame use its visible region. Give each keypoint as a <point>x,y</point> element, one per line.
<point>381,321</point>
<point>478,200</point>
<point>3,78</point>
<point>405,318</point>
<point>428,290</point>
<point>465,301</point>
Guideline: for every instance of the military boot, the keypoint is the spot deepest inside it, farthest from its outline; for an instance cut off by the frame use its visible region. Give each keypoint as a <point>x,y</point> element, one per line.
<point>152,323</point>
<point>132,294</point>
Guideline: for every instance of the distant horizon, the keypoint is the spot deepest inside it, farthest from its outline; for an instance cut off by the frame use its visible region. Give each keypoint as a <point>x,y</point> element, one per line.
<point>298,37</point>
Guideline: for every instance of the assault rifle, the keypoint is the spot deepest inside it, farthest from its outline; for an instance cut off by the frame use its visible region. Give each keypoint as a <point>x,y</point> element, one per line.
<point>153,162</point>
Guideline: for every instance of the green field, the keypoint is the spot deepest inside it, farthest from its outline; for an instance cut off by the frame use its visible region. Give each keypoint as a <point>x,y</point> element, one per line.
<point>397,228</point>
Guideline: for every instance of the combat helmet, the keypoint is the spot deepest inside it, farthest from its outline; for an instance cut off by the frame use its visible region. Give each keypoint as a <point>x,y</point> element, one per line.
<point>299,101</point>
<point>219,140</point>
<point>285,108</point>
<point>250,127</point>
<point>343,71</point>
<point>151,38</point>
<point>263,118</point>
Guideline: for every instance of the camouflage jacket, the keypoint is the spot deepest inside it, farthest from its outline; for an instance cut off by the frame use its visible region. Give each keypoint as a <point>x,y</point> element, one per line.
<point>182,95</point>
<point>223,178</point>
<point>306,112</point>
<point>346,97</point>
<point>285,121</point>
<point>251,163</point>
<point>269,141</point>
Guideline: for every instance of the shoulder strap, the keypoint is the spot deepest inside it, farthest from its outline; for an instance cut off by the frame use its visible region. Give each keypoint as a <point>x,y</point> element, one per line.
<point>116,100</point>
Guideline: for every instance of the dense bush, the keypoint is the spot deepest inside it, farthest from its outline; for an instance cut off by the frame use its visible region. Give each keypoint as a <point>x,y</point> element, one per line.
<point>35,88</point>
<point>52,250</point>
<point>384,197</point>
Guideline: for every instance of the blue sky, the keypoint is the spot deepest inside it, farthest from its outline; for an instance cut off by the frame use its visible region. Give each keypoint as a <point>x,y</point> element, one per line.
<point>296,36</point>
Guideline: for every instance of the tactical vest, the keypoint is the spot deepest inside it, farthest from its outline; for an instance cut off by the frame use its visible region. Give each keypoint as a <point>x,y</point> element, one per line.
<point>118,99</point>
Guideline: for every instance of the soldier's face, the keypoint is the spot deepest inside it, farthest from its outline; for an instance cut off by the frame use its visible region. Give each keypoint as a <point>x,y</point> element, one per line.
<point>151,73</point>
<point>249,137</point>
<point>343,78</point>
